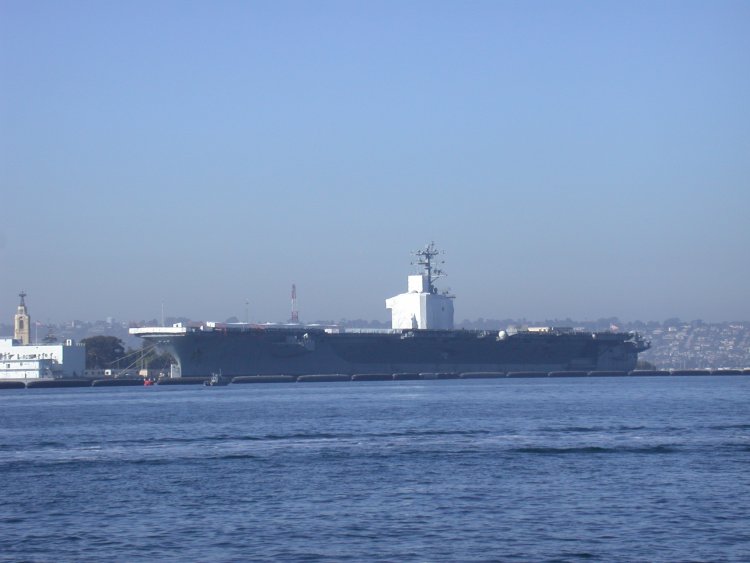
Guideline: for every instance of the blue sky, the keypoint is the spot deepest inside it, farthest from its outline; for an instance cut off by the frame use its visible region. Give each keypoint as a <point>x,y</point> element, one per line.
<point>573,159</point>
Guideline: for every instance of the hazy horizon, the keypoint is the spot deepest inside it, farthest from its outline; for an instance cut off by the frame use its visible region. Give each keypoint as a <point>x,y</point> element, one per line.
<point>6,324</point>
<point>573,160</point>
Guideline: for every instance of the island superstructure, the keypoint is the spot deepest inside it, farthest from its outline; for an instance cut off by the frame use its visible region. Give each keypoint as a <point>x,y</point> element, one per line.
<point>422,306</point>
<point>421,340</point>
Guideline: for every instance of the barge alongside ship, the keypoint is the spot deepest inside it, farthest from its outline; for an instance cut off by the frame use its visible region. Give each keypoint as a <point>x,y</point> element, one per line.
<point>422,340</point>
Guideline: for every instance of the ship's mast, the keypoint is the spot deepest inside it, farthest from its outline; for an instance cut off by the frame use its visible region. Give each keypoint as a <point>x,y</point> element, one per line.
<point>426,259</point>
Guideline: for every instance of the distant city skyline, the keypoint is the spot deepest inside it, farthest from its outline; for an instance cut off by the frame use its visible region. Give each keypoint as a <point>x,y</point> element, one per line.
<point>573,160</point>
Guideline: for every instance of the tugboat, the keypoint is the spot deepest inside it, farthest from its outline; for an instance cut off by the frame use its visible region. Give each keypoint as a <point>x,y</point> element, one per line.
<point>217,380</point>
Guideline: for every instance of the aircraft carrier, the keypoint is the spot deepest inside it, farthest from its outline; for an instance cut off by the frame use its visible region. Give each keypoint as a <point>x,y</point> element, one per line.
<point>422,340</point>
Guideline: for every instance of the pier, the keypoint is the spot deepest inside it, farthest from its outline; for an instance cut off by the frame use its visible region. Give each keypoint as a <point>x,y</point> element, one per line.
<point>10,384</point>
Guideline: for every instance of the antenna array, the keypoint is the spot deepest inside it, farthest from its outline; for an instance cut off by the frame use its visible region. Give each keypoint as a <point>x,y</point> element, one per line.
<point>426,258</point>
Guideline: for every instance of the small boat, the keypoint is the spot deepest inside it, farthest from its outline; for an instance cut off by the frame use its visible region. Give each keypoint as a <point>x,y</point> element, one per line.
<point>217,380</point>
<point>148,382</point>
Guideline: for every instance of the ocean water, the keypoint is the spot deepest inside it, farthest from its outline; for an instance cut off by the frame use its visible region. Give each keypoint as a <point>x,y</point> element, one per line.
<point>601,469</point>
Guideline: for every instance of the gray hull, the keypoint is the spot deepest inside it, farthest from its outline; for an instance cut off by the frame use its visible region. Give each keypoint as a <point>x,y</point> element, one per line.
<point>257,350</point>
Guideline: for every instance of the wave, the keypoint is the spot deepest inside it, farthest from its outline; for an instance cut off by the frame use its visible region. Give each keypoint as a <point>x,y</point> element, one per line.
<point>294,436</point>
<point>167,459</point>
<point>43,444</point>
<point>575,429</point>
<point>226,445</point>
<point>545,450</point>
<point>741,426</point>
<point>351,435</point>
<point>234,456</point>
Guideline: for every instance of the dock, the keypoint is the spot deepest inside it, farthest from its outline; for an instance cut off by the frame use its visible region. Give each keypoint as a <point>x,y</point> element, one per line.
<point>10,384</point>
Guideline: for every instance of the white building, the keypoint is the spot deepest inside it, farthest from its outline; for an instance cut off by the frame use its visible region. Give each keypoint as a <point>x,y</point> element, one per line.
<point>35,361</point>
<point>21,360</point>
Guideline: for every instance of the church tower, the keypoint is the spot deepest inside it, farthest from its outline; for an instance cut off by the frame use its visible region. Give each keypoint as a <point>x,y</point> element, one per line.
<point>22,322</point>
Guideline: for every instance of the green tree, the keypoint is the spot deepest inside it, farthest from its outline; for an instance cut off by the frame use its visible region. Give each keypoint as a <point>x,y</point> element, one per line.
<point>103,351</point>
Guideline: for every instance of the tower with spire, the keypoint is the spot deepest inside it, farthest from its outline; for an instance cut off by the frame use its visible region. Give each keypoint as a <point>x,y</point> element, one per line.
<point>22,323</point>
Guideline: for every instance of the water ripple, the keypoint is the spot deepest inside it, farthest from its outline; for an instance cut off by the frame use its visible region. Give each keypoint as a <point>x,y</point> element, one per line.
<point>466,471</point>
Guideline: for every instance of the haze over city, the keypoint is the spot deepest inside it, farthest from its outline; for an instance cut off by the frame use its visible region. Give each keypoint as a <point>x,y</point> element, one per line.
<point>572,159</point>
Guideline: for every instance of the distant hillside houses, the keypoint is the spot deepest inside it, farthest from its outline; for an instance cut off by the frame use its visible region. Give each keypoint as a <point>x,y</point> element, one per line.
<point>699,345</point>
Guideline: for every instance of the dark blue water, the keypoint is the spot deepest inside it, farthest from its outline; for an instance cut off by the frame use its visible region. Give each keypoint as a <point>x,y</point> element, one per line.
<point>646,469</point>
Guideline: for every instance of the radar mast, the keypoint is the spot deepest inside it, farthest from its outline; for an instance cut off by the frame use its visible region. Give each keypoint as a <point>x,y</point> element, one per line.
<point>426,258</point>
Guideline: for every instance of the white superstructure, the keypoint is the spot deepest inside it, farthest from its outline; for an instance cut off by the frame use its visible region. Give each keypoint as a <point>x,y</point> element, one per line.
<point>422,307</point>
